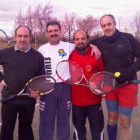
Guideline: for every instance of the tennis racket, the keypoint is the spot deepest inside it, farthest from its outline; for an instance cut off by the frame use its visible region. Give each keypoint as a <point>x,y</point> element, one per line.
<point>44,84</point>
<point>70,73</point>
<point>100,83</point>
<point>105,82</point>
<point>4,40</point>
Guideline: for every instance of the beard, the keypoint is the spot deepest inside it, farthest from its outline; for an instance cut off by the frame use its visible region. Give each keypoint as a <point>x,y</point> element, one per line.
<point>82,49</point>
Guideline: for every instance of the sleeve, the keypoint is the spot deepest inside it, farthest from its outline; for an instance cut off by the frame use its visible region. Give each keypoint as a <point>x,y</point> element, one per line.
<point>93,42</point>
<point>1,74</point>
<point>72,47</point>
<point>135,46</point>
<point>42,70</point>
<point>100,64</point>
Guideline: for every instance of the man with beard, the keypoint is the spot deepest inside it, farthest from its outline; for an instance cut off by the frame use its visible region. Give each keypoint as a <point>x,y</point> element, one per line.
<point>85,104</point>
<point>57,104</point>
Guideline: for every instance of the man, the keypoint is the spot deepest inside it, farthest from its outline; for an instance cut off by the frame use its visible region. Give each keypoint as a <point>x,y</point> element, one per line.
<point>20,64</point>
<point>58,102</point>
<point>119,51</point>
<point>85,104</point>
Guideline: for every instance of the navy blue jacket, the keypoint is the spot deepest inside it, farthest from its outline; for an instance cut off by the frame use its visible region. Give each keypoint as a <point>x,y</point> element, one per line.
<point>120,53</point>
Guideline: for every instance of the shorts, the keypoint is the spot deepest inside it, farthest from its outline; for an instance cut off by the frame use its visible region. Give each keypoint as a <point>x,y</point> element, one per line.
<point>113,106</point>
<point>125,95</point>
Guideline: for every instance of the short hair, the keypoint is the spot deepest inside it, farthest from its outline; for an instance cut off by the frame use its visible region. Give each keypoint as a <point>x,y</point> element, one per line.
<point>30,32</point>
<point>53,23</point>
<point>83,31</point>
<point>112,17</point>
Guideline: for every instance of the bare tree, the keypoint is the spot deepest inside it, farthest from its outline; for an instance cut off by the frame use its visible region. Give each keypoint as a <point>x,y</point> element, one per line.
<point>88,24</point>
<point>68,25</point>
<point>136,24</point>
<point>36,19</point>
<point>20,19</point>
<point>42,15</point>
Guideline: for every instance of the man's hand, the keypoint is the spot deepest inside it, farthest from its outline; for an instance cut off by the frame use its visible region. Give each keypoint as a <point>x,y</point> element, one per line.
<point>124,76</point>
<point>3,83</point>
<point>96,51</point>
<point>34,94</point>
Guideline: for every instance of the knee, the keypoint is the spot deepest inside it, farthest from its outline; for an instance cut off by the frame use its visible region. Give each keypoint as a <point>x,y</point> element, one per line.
<point>125,124</point>
<point>112,120</point>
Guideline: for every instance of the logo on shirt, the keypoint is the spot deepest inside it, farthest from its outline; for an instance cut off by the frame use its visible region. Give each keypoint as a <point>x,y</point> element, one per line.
<point>48,66</point>
<point>61,52</point>
<point>119,46</point>
<point>88,68</point>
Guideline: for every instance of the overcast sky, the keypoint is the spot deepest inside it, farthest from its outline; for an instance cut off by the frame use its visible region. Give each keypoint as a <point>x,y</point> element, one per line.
<point>123,10</point>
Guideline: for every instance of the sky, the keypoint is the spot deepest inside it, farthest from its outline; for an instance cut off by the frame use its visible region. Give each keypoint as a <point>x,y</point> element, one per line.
<point>123,10</point>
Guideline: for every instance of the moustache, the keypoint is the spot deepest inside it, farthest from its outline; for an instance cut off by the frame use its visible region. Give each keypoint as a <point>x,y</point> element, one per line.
<point>54,35</point>
<point>81,44</point>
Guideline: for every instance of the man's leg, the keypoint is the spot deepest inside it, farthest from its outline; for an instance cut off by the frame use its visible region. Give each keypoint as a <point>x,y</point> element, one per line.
<point>79,121</point>
<point>9,115</point>
<point>96,121</point>
<point>63,111</point>
<point>48,105</point>
<point>125,121</point>
<point>26,113</point>
<point>113,115</point>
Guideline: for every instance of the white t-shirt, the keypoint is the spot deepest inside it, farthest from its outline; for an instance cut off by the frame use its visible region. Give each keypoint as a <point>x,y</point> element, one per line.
<point>53,54</point>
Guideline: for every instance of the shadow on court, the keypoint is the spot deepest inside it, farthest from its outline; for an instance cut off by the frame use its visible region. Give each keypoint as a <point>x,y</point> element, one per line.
<point>135,123</point>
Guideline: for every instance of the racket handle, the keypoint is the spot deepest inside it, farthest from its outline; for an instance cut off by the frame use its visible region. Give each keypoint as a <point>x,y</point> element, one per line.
<point>8,98</point>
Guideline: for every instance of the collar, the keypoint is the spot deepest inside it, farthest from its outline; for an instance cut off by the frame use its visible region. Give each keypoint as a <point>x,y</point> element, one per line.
<point>87,51</point>
<point>17,49</point>
<point>113,37</point>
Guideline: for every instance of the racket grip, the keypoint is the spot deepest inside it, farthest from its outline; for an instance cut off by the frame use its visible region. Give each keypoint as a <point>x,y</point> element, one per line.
<point>8,98</point>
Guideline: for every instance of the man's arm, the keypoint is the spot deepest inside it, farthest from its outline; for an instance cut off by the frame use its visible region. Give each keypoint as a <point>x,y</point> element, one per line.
<point>96,51</point>
<point>125,74</point>
<point>3,83</point>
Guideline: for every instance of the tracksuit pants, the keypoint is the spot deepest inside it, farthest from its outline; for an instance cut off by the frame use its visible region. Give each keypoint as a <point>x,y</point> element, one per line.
<point>55,106</point>
<point>94,114</point>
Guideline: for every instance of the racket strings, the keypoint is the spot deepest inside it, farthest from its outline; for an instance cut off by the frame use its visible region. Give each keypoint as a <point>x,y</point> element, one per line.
<point>42,84</point>
<point>69,72</point>
<point>76,73</point>
<point>102,83</point>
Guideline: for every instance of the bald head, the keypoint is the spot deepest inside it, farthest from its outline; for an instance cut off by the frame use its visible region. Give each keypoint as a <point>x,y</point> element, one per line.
<point>81,40</point>
<point>23,26</point>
